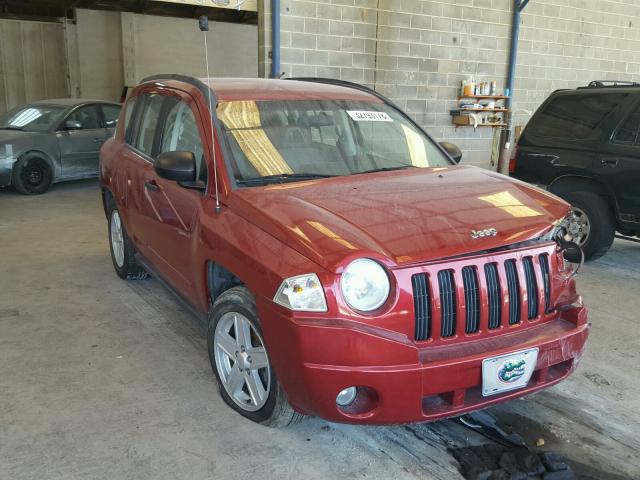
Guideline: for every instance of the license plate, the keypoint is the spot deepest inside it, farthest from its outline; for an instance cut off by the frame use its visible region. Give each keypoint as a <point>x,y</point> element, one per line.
<point>508,372</point>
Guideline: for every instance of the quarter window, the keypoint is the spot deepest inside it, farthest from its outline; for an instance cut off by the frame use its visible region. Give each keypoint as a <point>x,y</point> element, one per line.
<point>628,131</point>
<point>111,114</point>
<point>148,124</point>
<point>181,134</point>
<point>576,117</point>
<point>128,114</point>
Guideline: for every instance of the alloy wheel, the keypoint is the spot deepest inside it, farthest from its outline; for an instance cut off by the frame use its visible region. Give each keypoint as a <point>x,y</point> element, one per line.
<point>578,226</point>
<point>242,362</point>
<point>117,238</point>
<point>33,174</point>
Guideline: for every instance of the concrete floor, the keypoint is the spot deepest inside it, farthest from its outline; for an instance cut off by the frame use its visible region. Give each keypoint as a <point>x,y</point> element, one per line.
<point>101,378</point>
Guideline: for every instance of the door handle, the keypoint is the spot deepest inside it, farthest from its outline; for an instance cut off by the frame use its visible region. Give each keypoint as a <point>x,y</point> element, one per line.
<point>152,185</point>
<point>610,163</point>
<point>98,140</point>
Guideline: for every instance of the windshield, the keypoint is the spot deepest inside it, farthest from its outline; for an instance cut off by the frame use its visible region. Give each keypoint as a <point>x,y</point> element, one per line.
<point>277,141</point>
<point>32,118</point>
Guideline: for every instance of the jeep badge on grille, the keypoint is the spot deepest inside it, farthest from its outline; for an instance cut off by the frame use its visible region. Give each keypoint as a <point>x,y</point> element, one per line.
<point>489,232</point>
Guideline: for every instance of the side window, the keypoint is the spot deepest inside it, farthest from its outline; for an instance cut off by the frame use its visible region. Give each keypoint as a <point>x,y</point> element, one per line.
<point>628,131</point>
<point>128,115</point>
<point>85,118</point>
<point>110,114</point>
<point>576,117</point>
<point>181,133</point>
<point>148,123</point>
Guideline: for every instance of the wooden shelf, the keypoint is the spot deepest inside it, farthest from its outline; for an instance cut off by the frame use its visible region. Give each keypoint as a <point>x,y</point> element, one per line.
<point>483,109</point>
<point>495,125</point>
<point>497,97</point>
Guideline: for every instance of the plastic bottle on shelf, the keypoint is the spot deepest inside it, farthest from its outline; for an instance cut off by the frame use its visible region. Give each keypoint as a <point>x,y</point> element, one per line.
<point>469,88</point>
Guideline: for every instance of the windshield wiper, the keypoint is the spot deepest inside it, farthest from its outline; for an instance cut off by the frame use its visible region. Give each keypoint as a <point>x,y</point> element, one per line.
<point>386,169</point>
<point>281,178</point>
<point>8,127</point>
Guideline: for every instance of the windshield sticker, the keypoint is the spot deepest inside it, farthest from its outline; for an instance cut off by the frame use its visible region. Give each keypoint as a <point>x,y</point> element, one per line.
<point>367,116</point>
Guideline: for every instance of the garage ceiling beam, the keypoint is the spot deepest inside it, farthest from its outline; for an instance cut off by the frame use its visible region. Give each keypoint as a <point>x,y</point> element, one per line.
<point>246,5</point>
<point>53,10</point>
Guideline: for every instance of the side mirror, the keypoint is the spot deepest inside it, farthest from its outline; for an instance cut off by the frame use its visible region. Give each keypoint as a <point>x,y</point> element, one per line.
<point>176,166</point>
<point>72,125</point>
<point>454,152</point>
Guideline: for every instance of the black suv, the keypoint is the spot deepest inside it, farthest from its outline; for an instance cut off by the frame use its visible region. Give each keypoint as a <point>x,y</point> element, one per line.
<point>584,146</point>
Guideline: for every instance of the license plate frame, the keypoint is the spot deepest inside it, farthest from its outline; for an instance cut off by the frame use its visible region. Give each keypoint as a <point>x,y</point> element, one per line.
<point>504,373</point>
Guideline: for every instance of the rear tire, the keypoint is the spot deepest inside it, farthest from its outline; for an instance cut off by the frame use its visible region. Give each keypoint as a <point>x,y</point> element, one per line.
<point>32,175</point>
<point>122,249</point>
<point>235,311</point>
<point>602,227</point>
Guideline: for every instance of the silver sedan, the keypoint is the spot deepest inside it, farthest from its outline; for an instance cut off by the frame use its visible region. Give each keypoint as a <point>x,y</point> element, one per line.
<point>53,141</point>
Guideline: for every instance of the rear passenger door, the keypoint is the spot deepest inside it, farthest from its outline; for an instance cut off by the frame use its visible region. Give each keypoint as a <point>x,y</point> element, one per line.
<point>110,115</point>
<point>137,163</point>
<point>619,166</point>
<point>80,136</point>
<point>566,135</point>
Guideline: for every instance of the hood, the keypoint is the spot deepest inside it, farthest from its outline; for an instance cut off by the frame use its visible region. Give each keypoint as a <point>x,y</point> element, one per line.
<point>402,217</point>
<point>7,136</point>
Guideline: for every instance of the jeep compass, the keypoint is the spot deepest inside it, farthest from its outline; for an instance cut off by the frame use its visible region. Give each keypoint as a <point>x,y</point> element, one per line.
<point>342,262</point>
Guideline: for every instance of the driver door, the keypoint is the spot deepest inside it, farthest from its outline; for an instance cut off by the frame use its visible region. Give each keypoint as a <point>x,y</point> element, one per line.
<point>80,137</point>
<point>169,211</point>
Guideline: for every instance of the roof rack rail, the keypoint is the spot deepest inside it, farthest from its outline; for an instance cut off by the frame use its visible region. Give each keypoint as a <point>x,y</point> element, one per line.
<point>611,83</point>
<point>343,83</point>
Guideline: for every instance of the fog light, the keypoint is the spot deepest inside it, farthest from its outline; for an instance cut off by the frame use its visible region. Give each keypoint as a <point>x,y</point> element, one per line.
<point>346,397</point>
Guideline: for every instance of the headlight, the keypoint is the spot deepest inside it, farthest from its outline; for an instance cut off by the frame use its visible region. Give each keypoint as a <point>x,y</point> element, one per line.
<point>559,231</point>
<point>365,285</point>
<point>303,293</point>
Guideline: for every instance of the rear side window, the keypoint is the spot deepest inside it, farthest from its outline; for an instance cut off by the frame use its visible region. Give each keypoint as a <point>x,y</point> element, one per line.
<point>111,114</point>
<point>628,131</point>
<point>148,123</point>
<point>576,117</point>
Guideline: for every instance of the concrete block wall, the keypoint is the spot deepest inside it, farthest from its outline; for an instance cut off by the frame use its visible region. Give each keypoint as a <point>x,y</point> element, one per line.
<point>102,51</point>
<point>32,62</point>
<point>417,52</point>
<point>326,39</point>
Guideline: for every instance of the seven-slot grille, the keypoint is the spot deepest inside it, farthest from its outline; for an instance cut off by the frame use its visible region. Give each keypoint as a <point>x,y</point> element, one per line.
<point>440,295</point>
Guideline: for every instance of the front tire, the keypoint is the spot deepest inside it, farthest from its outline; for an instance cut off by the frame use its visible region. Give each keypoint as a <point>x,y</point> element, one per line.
<point>592,223</point>
<point>241,364</point>
<point>32,175</point>
<point>122,249</point>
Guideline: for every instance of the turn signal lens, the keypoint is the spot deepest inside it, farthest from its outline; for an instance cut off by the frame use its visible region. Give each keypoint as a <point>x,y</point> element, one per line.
<point>302,293</point>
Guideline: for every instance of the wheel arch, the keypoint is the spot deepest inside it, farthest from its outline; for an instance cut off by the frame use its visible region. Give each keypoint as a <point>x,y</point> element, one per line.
<point>55,168</point>
<point>575,183</point>
<point>107,197</point>
<point>219,280</point>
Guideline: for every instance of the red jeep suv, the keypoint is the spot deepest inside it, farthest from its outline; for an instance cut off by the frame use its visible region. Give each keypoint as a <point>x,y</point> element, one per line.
<point>342,263</point>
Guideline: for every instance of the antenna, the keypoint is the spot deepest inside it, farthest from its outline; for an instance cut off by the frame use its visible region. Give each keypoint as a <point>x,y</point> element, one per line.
<point>203,24</point>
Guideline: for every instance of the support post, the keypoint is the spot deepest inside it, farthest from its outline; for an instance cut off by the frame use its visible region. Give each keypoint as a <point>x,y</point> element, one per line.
<point>503,160</point>
<point>275,39</point>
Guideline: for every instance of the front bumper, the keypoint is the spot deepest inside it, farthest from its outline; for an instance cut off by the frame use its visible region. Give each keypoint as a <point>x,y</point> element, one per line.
<point>6,166</point>
<point>399,382</point>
